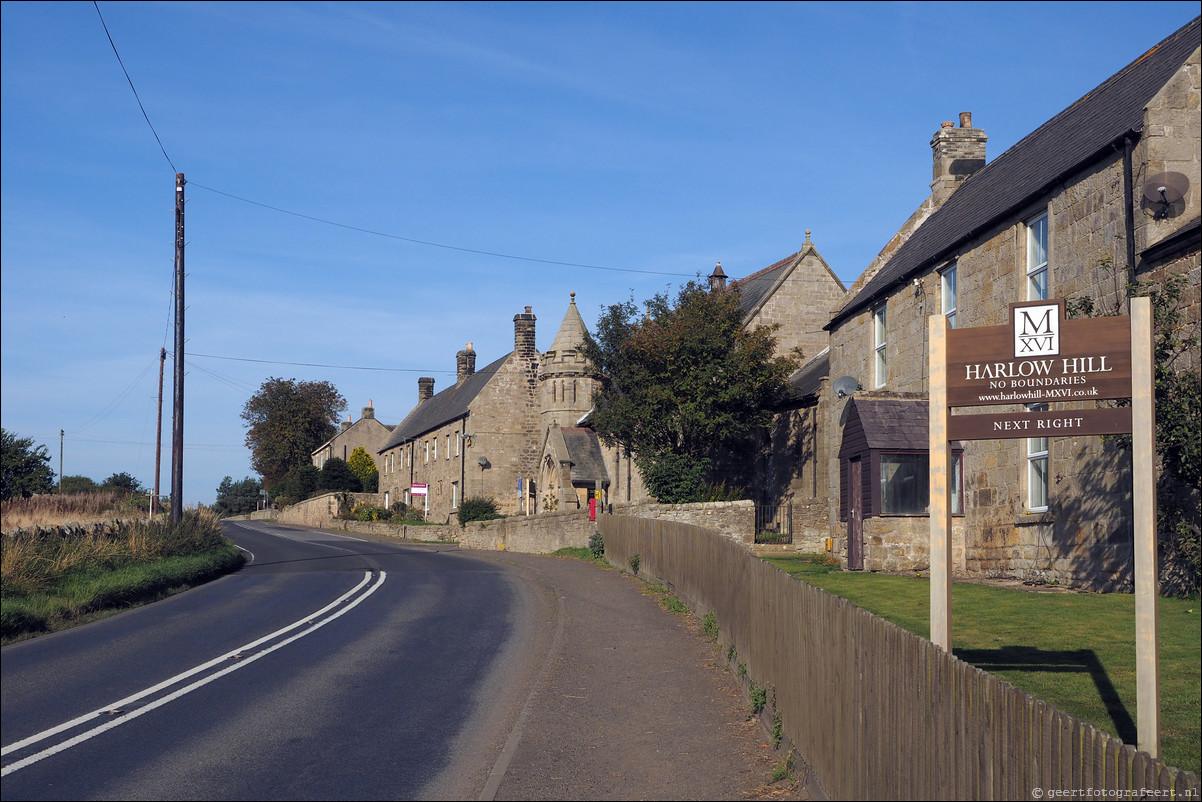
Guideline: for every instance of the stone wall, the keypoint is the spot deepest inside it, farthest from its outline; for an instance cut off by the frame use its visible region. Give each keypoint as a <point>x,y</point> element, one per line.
<point>731,519</point>
<point>530,534</point>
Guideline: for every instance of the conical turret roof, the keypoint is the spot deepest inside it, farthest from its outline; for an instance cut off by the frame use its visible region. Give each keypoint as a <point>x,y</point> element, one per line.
<point>571,330</point>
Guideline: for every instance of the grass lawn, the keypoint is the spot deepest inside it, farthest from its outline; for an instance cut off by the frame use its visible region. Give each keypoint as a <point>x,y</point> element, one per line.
<point>1073,650</point>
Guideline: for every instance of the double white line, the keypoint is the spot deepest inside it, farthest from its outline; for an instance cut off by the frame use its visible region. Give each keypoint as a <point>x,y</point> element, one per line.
<point>119,712</point>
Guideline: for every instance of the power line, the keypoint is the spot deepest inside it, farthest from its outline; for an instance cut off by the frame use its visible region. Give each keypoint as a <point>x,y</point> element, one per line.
<point>439,244</point>
<point>315,365</point>
<point>131,86</point>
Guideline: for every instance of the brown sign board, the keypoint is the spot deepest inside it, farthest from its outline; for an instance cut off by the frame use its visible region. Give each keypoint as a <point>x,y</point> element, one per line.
<point>1039,358</point>
<point>1060,423</point>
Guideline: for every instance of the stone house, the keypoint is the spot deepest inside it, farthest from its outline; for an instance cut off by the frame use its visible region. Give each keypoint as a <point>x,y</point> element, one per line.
<point>1060,215</point>
<point>475,438</point>
<point>797,294</point>
<point>512,431</point>
<point>367,432</point>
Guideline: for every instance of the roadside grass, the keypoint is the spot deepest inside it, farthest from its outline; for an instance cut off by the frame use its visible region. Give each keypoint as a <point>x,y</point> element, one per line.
<point>54,579</point>
<point>1075,651</point>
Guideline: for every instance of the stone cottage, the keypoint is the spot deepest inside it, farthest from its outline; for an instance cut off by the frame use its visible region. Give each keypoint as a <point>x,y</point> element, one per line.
<point>367,432</point>
<point>1063,214</point>
<point>513,431</point>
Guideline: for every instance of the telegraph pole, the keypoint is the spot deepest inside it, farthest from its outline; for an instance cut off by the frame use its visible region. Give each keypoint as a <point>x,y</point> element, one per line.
<point>177,429</point>
<point>158,438</point>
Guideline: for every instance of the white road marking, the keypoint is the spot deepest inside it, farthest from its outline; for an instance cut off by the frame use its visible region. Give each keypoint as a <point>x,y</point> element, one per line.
<point>126,717</point>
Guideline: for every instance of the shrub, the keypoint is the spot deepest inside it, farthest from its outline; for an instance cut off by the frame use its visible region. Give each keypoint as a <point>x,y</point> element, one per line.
<point>366,512</point>
<point>478,508</point>
<point>633,562</point>
<point>596,544</point>
<point>709,625</point>
<point>758,695</point>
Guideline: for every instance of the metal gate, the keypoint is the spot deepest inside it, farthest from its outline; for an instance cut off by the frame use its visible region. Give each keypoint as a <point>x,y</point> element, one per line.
<point>774,523</point>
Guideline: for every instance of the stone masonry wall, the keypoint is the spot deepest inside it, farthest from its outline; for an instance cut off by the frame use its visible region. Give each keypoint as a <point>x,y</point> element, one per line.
<point>1084,538</point>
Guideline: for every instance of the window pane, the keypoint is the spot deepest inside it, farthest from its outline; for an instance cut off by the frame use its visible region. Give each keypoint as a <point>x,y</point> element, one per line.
<point>905,484</point>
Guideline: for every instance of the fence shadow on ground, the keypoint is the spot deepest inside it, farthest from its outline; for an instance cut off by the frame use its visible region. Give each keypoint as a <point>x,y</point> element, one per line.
<point>1077,661</point>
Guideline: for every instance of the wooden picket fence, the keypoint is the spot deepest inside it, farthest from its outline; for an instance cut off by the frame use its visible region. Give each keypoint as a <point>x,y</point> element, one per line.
<point>877,712</point>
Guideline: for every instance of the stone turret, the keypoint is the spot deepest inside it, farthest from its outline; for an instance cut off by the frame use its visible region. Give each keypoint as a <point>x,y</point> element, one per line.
<point>566,387</point>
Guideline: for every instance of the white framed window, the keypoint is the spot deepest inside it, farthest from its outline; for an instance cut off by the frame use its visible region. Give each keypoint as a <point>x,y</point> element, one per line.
<point>448,449</point>
<point>880,338</point>
<point>435,439</point>
<point>1037,468</point>
<point>947,286</point>
<point>454,495</point>
<point>458,442</point>
<point>1037,259</point>
<point>427,451</point>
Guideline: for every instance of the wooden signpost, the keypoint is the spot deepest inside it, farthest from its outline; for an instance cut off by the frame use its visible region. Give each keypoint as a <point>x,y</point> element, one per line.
<point>1039,359</point>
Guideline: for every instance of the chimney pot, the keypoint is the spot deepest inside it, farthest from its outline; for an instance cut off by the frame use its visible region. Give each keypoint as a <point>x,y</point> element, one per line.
<point>966,119</point>
<point>948,124</point>
<point>425,389</point>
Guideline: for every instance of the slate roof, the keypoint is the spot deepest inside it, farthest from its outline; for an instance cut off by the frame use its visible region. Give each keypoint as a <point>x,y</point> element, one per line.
<point>1073,138</point>
<point>444,407</point>
<point>754,288</point>
<point>588,464</point>
<point>807,380</point>
<point>894,424</point>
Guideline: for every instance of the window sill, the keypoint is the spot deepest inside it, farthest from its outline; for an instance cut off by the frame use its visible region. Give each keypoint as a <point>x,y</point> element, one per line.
<point>1034,518</point>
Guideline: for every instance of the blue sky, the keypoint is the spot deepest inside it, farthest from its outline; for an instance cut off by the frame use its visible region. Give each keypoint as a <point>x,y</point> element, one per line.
<point>442,166</point>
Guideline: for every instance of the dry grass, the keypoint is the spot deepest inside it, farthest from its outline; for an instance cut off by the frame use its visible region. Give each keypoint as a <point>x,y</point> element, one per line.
<point>56,510</point>
<point>31,559</point>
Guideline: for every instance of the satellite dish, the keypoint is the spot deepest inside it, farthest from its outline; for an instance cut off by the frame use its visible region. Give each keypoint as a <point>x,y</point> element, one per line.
<point>1165,188</point>
<point>845,386</point>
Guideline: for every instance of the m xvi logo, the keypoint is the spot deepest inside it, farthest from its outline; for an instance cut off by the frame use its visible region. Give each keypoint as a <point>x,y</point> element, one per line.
<point>1036,330</point>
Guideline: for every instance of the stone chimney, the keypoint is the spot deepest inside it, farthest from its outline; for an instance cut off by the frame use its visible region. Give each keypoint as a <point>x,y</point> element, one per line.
<point>959,152</point>
<point>425,389</point>
<point>346,424</point>
<point>369,412</point>
<point>465,364</point>
<point>717,278</point>
<point>523,336</point>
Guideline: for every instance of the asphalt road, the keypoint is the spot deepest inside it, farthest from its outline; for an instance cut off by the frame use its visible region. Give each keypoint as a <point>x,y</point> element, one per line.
<point>336,667</point>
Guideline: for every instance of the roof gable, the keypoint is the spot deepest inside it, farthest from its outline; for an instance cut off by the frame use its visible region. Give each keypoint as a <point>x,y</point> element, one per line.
<point>444,407</point>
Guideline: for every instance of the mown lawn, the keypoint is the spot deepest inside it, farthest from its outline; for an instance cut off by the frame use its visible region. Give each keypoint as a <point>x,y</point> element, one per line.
<point>1073,650</point>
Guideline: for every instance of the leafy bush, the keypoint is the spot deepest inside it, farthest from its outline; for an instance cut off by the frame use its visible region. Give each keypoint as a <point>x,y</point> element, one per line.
<point>633,562</point>
<point>758,695</point>
<point>366,512</point>
<point>674,478</point>
<point>478,508</point>
<point>337,475</point>
<point>596,544</point>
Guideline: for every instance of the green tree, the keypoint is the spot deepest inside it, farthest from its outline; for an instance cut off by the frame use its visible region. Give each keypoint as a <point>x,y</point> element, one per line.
<point>122,483</point>
<point>286,420</point>
<point>298,485</point>
<point>70,485</point>
<point>684,383</point>
<point>337,475</point>
<point>363,466</point>
<point>235,498</point>
<point>26,469</point>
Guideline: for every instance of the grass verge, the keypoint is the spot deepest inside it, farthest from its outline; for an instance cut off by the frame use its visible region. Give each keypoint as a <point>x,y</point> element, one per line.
<point>79,597</point>
<point>1073,650</point>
